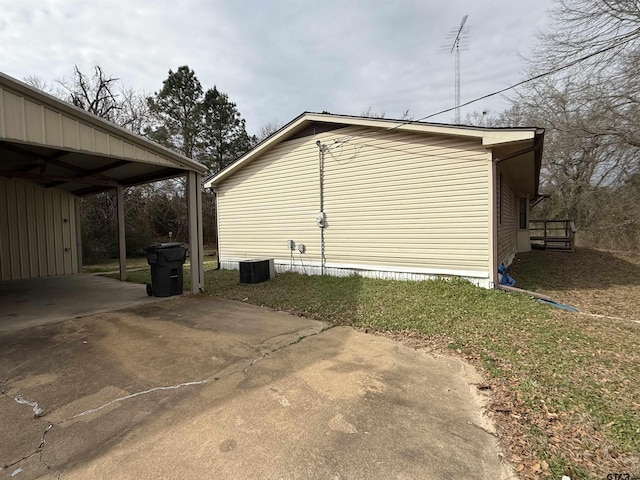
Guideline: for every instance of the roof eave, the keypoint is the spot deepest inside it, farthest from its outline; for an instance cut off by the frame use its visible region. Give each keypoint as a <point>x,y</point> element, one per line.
<point>488,137</point>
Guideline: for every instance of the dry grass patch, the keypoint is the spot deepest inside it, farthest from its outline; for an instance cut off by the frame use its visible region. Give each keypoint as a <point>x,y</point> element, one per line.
<point>593,281</point>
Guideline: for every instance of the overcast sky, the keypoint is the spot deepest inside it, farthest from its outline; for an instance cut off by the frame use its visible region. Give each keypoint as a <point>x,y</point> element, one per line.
<point>278,58</point>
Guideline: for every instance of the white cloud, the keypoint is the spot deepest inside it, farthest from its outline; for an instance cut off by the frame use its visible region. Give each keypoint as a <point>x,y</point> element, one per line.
<point>276,59</point>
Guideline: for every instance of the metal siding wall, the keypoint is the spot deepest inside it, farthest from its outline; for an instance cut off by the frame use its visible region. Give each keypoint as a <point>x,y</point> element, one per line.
<point>13,115</point>
<point>23,233</point>
<point>101,142</point>
<point>34,118</point>
<point>50,235</point>
<point>41,226</point>
<point>5,262</point>
<point>26,120</point>
<point>86,137</point>
<point>57,233</point>
<point>12,225</point>
<point>52,128</point>
<point>390,198</point>
<point>116,146</point>
<point>70,133</point>
<point>127,150</point>
<point>33,231</point>
<point>78,233</point>
<point>73,247</point>
<point>66,235</point>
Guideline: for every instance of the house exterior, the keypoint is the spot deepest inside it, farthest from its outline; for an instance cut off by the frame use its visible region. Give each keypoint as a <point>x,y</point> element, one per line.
<point>380,198</point>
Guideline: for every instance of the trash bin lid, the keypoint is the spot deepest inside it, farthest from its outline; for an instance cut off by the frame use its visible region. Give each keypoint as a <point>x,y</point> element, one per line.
<point>160,246</point>
<point>170,245</point>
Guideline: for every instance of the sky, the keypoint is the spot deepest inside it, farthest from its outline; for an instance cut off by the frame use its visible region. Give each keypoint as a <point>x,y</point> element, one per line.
<point>278,58</point>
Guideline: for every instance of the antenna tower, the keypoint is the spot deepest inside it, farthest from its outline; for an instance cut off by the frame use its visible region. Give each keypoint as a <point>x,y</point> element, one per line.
<point>455,47</point>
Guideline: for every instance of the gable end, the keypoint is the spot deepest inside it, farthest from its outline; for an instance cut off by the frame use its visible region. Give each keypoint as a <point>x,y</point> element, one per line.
<point>315,128</point>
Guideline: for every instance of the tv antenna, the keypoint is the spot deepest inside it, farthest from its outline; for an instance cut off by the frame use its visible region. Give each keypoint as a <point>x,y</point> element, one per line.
<point>458,36</point>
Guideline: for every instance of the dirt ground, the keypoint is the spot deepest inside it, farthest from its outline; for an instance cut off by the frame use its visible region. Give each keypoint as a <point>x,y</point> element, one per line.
<point>593,281</point>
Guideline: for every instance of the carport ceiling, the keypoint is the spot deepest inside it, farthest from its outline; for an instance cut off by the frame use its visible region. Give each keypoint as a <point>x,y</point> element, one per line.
<point>76,172</point>
<point>54,144</point>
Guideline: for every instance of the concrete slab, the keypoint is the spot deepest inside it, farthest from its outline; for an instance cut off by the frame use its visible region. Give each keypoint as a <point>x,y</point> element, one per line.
<point>196,387</point>
<point>38,301</point>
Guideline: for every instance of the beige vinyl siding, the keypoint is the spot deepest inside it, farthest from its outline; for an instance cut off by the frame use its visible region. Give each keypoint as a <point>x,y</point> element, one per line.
<point>37,231</point>
<point>508,223</point>
<point>270,201</point>
<point>407,200</point>
<point>392,199</point>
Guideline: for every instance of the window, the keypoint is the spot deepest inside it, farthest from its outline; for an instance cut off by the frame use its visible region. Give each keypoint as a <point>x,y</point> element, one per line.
<point>522,214</point>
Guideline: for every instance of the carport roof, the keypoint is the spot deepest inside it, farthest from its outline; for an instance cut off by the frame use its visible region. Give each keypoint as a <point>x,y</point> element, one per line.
<point>55,144</point>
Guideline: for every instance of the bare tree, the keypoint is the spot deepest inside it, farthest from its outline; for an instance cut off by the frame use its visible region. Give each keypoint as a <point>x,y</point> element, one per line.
<point>268,129</point>
<point>583,27</point>
<point>590,108</point>
<point>406,116</point>
<point>133,111</point>
<point>369,113</point>
<point>101,94</point>
<point>600,40</point>
<point>580,156</point>
<point>96,93</point>
<point>40,84</point>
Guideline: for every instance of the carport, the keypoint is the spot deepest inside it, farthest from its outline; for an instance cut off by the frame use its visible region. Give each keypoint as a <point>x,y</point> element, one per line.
<point>52,153</point>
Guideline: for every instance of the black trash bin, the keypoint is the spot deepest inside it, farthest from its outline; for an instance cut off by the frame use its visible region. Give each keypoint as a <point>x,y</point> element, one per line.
<point>166,261</point>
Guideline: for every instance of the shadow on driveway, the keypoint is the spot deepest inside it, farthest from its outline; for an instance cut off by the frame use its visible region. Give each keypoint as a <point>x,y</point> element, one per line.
<point>38,301</point>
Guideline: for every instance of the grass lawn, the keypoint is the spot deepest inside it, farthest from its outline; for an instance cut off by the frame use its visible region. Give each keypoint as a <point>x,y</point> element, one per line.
<point>565,389</point>
<point>132,263</point>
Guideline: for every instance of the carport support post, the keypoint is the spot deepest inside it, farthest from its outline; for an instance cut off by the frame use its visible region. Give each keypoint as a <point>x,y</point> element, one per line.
<point>195,230</point>
<point>122,245</point>
<point>78,232</point>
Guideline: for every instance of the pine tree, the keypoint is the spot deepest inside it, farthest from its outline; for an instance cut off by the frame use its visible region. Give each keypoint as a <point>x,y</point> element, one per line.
<point>225,134</point>
<point>178,111</point>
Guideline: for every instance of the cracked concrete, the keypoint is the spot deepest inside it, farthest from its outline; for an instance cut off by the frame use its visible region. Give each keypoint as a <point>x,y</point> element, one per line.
<point>195,385</point>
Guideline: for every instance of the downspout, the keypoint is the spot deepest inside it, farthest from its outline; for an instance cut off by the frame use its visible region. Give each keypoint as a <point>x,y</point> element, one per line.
<point>320,219</point>
<point>536,149</point>
<point>493,272</point>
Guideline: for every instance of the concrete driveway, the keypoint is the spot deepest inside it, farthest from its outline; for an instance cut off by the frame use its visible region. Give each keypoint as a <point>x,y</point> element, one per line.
<point>197,387</point>
<point>37,301</point>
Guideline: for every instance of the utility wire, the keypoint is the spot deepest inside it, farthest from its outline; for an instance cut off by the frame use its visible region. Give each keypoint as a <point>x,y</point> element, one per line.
<point>536,77</point>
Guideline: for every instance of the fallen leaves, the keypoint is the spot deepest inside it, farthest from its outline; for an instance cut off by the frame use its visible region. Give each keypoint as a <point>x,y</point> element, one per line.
<point>562,442</point>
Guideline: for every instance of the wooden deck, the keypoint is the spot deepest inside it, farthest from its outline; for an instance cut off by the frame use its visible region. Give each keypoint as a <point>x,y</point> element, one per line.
<point>552,234</point>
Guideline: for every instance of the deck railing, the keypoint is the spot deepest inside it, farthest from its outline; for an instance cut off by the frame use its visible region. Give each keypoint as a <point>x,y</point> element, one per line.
<point>552,234</point>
